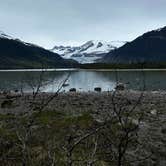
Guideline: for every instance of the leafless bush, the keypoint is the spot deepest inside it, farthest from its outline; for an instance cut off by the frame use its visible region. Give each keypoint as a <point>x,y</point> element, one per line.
<point>114,140</point>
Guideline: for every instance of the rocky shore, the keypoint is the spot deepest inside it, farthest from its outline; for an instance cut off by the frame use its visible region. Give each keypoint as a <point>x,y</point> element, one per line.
<point>81,101</point>
<point>99,104</point>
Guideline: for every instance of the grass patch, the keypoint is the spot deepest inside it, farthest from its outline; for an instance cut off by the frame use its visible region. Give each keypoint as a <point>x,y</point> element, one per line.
<point>6,117</point>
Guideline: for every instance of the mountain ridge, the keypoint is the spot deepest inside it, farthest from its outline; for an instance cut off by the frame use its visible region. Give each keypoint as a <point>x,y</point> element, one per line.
<point>87,52</point>
<point>147,48</point>
<point>15,54</point>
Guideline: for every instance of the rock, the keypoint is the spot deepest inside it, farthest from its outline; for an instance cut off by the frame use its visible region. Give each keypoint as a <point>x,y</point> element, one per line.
<point>97,89</point>
<point>153,112</point>
<point>13,95</point>
<point>72,90</point>
<point>120,87</point>
<point>6,92</point>
<point>135,121</point>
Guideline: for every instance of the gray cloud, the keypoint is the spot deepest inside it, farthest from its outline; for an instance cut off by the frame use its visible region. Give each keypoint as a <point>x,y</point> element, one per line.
<point>51,22</point>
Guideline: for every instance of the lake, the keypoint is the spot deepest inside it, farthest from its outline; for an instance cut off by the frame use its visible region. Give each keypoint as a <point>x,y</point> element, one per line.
<point>82,80</point>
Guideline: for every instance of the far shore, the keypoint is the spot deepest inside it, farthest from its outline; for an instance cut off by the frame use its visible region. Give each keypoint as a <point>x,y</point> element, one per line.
<point>80,69</point>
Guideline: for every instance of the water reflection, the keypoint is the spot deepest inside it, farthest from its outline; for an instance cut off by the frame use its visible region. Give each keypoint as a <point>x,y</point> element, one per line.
<point>82,80</point>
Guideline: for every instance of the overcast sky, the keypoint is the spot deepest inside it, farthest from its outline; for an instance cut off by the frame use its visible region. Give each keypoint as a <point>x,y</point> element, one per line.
<point>73,22</point>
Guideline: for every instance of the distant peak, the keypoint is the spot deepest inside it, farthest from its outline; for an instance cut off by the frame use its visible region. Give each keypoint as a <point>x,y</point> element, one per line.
<point>89,51</point>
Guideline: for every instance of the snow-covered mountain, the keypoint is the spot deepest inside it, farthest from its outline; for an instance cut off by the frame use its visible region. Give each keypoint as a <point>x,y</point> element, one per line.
<point>88,52</point>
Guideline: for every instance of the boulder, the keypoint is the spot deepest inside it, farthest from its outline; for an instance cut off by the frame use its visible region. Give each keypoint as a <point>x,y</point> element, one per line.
<point>153,112</point>
<point>72,90</point>
<point>97,89</point>
<point>120,87</point>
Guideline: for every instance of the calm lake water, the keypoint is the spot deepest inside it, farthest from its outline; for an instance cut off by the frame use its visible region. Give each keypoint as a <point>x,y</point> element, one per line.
<point>83,80</point>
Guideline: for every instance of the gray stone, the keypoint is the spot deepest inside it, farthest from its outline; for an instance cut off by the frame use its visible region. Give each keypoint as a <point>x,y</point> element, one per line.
<point>72,90</point>
<point>97,89</point>
<point>120,87</point>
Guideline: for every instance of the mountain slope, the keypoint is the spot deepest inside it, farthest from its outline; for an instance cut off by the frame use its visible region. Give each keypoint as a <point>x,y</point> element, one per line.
<point>17,54</point>
<point>148,48</point>
<point>88,52</point>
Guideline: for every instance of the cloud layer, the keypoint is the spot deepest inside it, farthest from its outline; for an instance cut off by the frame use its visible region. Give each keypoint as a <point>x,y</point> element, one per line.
<point>54,22</point>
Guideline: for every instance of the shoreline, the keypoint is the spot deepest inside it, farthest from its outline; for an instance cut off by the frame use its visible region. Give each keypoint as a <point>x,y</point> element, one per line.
<point>81,101</point>
<point>80,69</point>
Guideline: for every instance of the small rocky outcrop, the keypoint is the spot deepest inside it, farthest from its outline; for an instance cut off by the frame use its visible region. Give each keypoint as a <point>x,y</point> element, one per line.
<point>97,89</point>
<point>72,90</point>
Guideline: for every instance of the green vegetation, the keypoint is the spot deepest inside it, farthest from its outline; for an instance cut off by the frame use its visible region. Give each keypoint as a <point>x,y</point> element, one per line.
<point>116,131</point>
<point>50,137</point>
<point>49,132</point>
